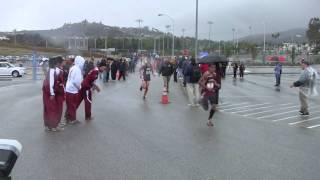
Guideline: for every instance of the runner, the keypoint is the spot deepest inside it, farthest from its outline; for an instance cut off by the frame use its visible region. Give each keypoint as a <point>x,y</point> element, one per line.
<point>87,85</point>
<point>145,74</point>
<point>209,86</point>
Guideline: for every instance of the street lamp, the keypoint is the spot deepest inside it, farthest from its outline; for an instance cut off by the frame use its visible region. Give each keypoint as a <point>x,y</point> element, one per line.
<point>139,44</point>
<point>264,42</point>
<point>168,29</point>
<point>234,51</point>
<point>196,45</point>
<point>172,31</point>
<point>183,31</point>
<point>210,28</point>
<point>237,41</point>
<point>154,40</point>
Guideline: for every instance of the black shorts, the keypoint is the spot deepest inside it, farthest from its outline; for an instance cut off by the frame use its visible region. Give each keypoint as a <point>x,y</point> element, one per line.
<point>208,99</point>
<point>147,77</point>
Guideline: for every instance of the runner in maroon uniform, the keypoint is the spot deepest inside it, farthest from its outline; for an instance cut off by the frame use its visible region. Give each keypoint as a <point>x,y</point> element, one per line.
<point>145,71</point>
<point>87,85</point>
<point>209,87</point>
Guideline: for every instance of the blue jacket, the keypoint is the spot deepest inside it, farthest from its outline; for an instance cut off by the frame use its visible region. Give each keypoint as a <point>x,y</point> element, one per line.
<point>278,69</point>
<point>189,73</point>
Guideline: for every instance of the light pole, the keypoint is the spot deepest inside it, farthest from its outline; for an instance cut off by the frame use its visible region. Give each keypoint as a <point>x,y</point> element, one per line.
<point>106,43</point>
<point>163,43</point>
<point>168,29</point>
<point>15,37</point>
<point>139,43</point>
<point>234,50</point>
<point>237,42</point>
<point>196,44</point>
<point>154,40</point>
<point>264,41</point>
<point>172,31</point>
<point>183,40</point>
<point>219,48</point>
<point>210,28</point>
<point>264,37</point>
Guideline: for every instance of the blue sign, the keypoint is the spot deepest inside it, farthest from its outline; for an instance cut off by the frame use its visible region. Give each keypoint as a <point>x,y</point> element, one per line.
<point>203,54</point>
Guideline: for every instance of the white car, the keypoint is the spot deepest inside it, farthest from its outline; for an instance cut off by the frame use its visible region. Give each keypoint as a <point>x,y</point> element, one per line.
<point>8,69</point>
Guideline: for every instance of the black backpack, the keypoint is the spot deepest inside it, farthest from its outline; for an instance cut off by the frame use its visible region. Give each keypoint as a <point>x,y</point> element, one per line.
<point>88,66</point>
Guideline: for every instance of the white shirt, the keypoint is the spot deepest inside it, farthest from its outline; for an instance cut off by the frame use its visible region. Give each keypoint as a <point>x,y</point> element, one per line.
<point>75,76</point>
<point>51,81</point>
<point>74,80</point>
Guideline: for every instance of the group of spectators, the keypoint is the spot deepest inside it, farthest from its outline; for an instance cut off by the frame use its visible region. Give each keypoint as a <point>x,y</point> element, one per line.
<point>67,80</point>
<point>116,69</point>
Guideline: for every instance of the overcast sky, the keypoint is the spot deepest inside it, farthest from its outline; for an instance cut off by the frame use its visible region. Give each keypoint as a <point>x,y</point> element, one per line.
<point>226,14</point>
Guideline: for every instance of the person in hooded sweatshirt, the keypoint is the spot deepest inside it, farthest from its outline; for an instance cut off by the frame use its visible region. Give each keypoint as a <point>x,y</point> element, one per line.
<point>73,87</point>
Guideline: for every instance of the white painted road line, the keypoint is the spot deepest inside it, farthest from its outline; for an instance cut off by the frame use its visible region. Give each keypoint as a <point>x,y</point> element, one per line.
<point>234,105</point>
<point>245,106</point>
<point>290,107</point>
<point>264,107</point>
<point>286,118</point>
<point>261,117</point>
<point>310,127</point>
<point>298,122</point>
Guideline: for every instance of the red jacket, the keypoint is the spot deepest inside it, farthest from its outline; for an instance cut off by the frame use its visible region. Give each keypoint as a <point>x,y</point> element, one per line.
<point>88,81</point>
<point>204,68</point>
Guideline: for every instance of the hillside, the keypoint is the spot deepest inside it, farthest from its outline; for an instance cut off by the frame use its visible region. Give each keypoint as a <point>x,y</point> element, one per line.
<point>295,35</point>
<point>93,30</point>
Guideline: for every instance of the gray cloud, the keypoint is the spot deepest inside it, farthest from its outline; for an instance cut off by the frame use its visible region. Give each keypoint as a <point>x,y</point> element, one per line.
<point>240,14</point>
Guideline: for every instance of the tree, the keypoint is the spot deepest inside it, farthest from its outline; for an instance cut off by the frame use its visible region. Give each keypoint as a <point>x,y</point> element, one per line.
<point>275,36</point>
<point>293,54</point>
<point>313,32</point>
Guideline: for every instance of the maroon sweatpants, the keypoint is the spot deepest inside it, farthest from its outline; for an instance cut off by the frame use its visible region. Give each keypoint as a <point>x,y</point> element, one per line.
<point>60,99</point>
<point>72,101</point>
<point>86,95</point>
<point>50,111</point>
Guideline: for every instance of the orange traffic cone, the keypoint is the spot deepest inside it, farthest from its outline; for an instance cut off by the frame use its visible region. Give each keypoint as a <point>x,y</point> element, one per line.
<point>165,97</point>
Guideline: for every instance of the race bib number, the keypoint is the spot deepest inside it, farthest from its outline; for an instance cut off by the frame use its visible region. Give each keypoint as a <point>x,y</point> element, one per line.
<point>147,71</point>
<point>210,85</point>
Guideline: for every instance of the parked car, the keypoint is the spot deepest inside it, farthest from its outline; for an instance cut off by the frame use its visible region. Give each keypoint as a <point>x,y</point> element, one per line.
<point>8,69</point>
